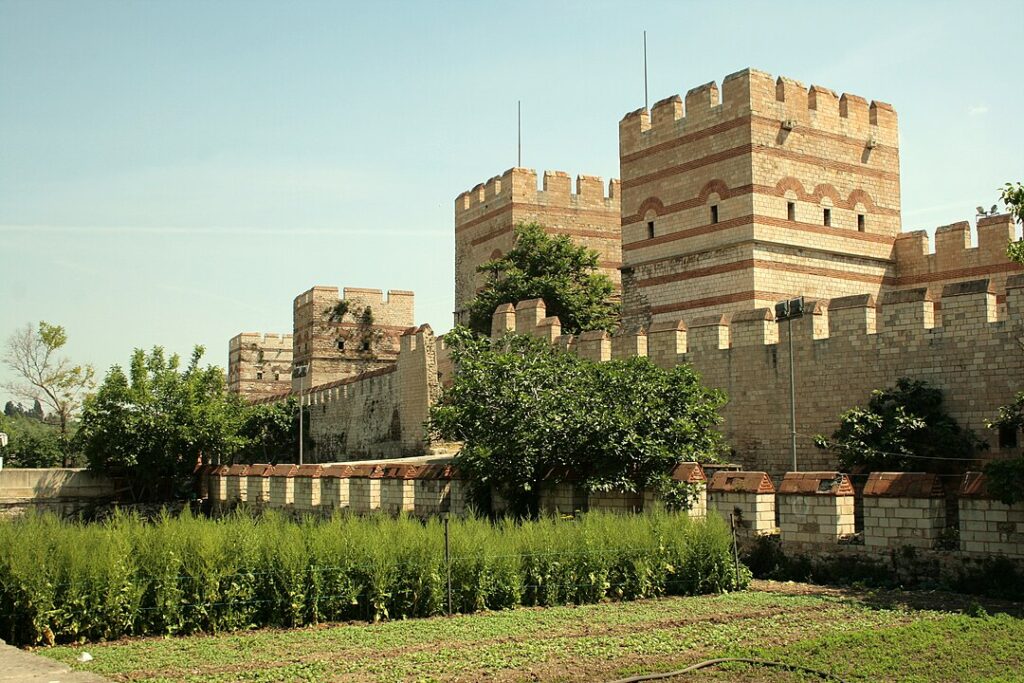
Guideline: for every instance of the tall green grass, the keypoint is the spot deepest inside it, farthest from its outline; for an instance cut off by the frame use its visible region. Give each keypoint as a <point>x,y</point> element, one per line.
<point>67,581</point>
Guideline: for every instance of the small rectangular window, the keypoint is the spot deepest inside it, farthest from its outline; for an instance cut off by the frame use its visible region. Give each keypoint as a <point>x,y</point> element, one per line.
<point>259,375</point>
<point>365,346</point>
<point>860,222</point>
<point>277,376</point>
<point>341,344</point>
<point>650,230</point>
<point>714,214</point>
<point>1007,436</point>
<point>791,211</point>
<point>828,217</point>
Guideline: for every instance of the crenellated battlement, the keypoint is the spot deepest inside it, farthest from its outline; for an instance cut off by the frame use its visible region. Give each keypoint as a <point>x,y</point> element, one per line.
<point>956,257</point>
<point>520,185</point>
<point>264,340</point>
<point>960,305</point>
<point>787,103</point>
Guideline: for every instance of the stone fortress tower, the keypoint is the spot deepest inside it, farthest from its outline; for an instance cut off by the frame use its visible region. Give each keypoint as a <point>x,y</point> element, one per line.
<point>486,215</point>
<point>343,336</point>
<point>259,365</point>
<point>738,198</point>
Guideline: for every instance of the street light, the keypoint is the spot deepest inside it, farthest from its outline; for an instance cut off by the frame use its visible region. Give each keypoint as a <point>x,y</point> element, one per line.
<point>299,372</point>
<point>788,310</point>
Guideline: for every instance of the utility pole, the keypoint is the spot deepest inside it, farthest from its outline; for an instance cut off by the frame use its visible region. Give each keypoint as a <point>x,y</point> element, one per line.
<point>788,310</point>
<point>300,372</point>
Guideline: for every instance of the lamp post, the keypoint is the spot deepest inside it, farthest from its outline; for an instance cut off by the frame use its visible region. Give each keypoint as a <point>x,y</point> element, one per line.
<point>788,310</point>
<point>300,371</point>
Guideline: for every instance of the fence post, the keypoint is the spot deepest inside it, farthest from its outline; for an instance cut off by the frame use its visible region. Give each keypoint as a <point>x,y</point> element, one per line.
<point>448,562</point>
<point>735,550</point>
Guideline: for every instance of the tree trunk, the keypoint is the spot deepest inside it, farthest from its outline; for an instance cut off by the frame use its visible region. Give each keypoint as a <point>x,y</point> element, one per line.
<point>63,439</point>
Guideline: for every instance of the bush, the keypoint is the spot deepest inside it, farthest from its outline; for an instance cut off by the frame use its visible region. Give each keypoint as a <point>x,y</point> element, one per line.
<point>68,581</point>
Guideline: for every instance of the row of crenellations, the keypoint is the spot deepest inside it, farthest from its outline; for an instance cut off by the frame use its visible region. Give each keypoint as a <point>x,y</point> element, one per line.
<point>520,185</point>
<point>962,305</point>
<point>953,247</point>
<point>267,340</point>
<point>755,92</point>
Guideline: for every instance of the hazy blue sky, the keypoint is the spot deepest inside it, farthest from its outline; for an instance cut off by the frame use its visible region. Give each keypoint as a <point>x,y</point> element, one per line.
<point>175,172</point>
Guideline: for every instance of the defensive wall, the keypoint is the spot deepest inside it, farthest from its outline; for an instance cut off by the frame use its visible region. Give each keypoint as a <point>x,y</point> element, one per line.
<point>906,525</point>
<point>379,413</point>
<point>344,334</point>
<point>259,365</point>
<point>486,215</point>
<point>63,491</point>
<point>963,343</point>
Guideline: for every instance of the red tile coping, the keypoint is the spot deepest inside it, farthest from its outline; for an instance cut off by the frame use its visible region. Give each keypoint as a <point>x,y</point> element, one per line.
<point>689,472</point>
<point>401,471</point>
<point>261,470</point>
<point>741,482</point>
<point>816,483</point>
<point>309,470</point>
<point>337,471</point>
<point>975,485</point>
<point>219,470</point>
<point>903,485</point>
<point>283,471</point>
<point>238,470</point>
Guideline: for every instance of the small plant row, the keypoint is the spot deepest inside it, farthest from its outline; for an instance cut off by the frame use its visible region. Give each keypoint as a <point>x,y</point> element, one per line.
<point>69,582</point>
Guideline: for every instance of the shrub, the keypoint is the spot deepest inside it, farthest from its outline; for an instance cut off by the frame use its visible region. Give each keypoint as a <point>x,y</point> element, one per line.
<point>66,581</point>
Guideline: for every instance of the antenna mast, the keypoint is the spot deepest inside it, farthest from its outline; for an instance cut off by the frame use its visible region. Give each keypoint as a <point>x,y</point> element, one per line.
<point>519,133</point>
<point>645,69</point>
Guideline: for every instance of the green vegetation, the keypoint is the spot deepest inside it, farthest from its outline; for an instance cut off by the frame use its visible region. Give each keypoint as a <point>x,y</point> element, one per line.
<point>44,377</point>
<point>555,269</point>
<point>36,442</point>
<point>156,422</point>
<point>186,574</point>
<point>857,636</point>
<point>905,427</point>
<point>524,408</point>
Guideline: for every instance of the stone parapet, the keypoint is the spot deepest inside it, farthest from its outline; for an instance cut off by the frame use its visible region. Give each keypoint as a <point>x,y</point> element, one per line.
<point>988,525</point>
<point>903,509</point>
<point>815,506</point>
<point>748,497</point>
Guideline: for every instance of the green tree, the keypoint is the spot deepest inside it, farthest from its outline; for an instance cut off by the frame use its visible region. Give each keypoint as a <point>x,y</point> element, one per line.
<point>1013,198</point>
<point>45,376</point>
<point>156,422</point>
<point>1006,477</point>
<point>32,443</point>
<point>523,408</point>
<point>271,431</point>
<point>903,428</point>
<point>547,267</point>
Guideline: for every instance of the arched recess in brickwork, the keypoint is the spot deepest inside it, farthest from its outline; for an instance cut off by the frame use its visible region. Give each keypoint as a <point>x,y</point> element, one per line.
<point>790,184</point>
<point>496,254</point>
<point>826,191</point>
<point>649,206</point>
<point>713,187</point>
<point>791,188</point>
<point>860,197</point>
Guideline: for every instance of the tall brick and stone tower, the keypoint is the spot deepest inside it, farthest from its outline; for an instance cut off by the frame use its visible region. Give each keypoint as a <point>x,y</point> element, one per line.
<point>735,199</point>
<point>342,336</point>
<point>486,215</point>
<point>260,365</point>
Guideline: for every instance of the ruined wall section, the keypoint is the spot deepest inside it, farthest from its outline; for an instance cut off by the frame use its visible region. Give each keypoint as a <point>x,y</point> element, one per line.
<point>714,180</point>
<point>843,349</point>
<point>486,215</point>
<point>345,334</point>
<point>379,413</point>
<point>259,365</point>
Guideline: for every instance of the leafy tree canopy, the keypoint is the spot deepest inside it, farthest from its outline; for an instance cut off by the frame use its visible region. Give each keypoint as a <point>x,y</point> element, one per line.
<point>523,408</point>
<point>43,376</point>
<point>903,428</point>
<point>553,268</point>
<point>155,422</point>
<point>271,432</point>
<point>33,443</point>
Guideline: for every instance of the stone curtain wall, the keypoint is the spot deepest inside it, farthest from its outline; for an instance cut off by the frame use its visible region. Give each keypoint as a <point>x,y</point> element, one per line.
<point>379,413</point>
<point>843,349</point>
<point>486,215</point>
<point>60,490</point>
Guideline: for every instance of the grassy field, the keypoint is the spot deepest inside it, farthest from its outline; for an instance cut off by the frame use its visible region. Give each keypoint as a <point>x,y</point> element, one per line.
<point>855,635</point>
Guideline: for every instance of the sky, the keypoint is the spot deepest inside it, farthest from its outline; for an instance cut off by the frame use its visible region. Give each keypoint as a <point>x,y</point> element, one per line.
<point>173,173</point>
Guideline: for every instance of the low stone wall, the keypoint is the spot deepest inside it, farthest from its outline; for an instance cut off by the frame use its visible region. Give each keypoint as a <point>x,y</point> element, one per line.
<point>749,497</point>
<point>59,489</point>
